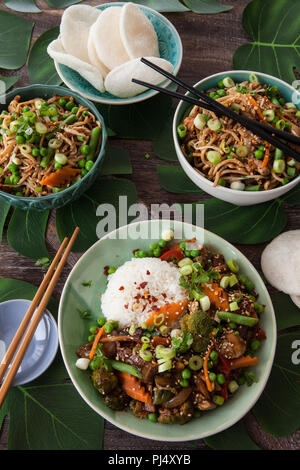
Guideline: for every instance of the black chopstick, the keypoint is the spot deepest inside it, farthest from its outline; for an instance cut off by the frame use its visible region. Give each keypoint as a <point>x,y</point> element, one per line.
<point>223,109</point>
<point>256,130</point>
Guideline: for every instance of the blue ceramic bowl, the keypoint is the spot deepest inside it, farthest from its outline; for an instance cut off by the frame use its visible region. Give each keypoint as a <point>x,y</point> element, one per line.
<point>55,200</point>
<point>170,48</point>
<point>43,346</point>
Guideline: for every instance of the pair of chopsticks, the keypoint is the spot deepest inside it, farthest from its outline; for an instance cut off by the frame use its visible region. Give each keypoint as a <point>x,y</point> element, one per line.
<point>265,131</point>
<point>32,319</point>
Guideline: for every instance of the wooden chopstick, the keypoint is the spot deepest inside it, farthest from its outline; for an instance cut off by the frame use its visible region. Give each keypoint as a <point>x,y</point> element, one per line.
<point>35,320</point>
<point>27,317</point>
<point>223,109</point>
<point>264,131</point>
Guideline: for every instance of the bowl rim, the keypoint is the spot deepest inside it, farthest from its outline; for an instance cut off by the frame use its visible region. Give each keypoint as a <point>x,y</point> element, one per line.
<point>275,191</point>
<point>262,382</point>
<point>50,357</point>
<point>91,106</point>
<point>137,98</point>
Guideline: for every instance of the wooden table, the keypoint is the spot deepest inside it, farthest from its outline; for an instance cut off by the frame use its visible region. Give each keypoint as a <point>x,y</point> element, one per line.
<point>209,42</point>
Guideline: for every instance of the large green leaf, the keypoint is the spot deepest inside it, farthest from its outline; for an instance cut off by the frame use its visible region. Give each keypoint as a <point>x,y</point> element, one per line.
<point>48,413</point>
<point>62,3</point>
<point>234,438</point>
<point>8,82</point>
<point>4,208</point>
<point>274,29</point>
<point>287,313</point>
<point>83,211</point>
<point>163,145</point>
<point>26,233</point>
<point>26,6</point>
<point>137,121</point>
<point>41,68</point>
<point>245,225</point>
<point>15,35</point>
<point>116,162</point>
<point>174,180</point>
<point>278,409</point>
<point>206,6</point>
<point>292,197</point>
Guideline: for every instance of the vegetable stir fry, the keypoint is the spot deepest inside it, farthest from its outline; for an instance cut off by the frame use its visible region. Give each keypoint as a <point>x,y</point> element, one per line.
<point>46,145</point>
<point>189,356</point>
<point>230,155</point>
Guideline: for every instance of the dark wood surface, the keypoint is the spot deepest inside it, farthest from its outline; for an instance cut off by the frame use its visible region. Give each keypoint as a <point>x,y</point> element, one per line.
<point>209,42</point>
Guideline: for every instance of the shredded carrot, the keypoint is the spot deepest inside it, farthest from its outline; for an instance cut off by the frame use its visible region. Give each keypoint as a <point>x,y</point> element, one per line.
<point>256,107</point>
<point>96,341</point>
<point>60,177</point>
<point>160,340</point>
<point>133,388</point>
<point>205,369</point>
<point>217,295</point>
<point>168,312</point>
<point>244,361</point>
<point>267,155</point>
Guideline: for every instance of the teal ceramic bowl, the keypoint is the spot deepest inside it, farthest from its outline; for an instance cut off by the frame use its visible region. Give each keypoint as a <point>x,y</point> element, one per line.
<point>170,48</point>
<point>55,200</point>
<point>114,250</point>
<point>241,198</point>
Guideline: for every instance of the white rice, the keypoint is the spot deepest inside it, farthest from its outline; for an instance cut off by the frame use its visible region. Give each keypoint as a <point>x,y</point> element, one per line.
<point>138,288</point>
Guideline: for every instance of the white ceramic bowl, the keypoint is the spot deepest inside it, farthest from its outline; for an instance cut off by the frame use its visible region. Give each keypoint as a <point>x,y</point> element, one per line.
<point>241,198</point>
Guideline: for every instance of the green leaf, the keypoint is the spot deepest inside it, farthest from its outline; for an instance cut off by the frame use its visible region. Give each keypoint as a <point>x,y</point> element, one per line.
<point>26,233</point>
<point>292,197</point>
<point>137,121</point>
<point>25,6</point>
<point>245,225</point>
<point>287,313</point>
<point>234,438</point>
<point>206,7</point>
<point>41,68</point>
<point>8,82</point>
<point>278,409</point>
<point>61,3</point>
<point>163,145</point>
<point>274,29</point>
<point>4,209</point>
<point>83,211</point>
<point>174,180</point>
<point>15,35</point>
<point>162,6</point>
<point>116,162</point>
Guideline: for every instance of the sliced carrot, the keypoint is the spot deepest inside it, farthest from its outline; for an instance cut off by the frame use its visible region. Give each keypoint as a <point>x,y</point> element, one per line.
<point>244,361</point>
<point>160,340</point>
<point>168,313</point>
<point>267,155</point>
<point>217,295</point>
<point>60,177</point>
<point>133,388</point>
<point>257,108</point>
<point>96,341</point>
<point>171,254</point>
<point>205,369</point>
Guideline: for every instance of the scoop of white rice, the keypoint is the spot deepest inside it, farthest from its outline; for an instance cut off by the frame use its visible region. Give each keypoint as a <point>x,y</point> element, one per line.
<point>138,288</point>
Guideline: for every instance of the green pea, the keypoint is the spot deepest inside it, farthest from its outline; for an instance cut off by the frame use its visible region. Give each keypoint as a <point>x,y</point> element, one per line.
<point>152,417</point>
<point>20,139</point>
<point>182,245</point>
<point>197,414</point>
<point>221,92</point>
<point>108,327</point>
<point>255,344</point>
<point>187,253</point>
<point>25,109</point>
<point>69,105</point>
<point>82,163</point>
<point>57,165</point>
<point>74,110</point>
<point>214,355</point>
<point>212,376</point>
<point>43,151</point>
<point>93,328</point>
<point>89,165</point>
<point>84,149</point>
<point>194,253</point>
<point>62,102</point>
<point>213,94</point>
<point>221,84</point>
<point>157,252</point>
<point>101,321</point>
<point>186,374</point>
<point>91,337</point>
<point>221,379</point>
<point>111,270</point>
<point>84,172</point>
<point>184,383</point>
<point>258,154</point>
<point>152,246</point>
<point>162,243</point>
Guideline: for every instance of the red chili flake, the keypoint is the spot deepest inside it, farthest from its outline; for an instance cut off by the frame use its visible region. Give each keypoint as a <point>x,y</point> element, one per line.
<point>143,285</point>
<point>133,251</point>
<point>121,288</point>
<point>105,270</point>
<point>164,295</point>
<point>126,306</point>
<point>155,308</point>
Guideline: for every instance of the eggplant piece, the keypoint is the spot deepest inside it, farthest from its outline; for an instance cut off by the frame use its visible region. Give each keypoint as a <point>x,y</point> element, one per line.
<point>180,415</point>
<point>104,381</point>
<point>160,396</point>
<point>116,400</point>
<point>179,398</point>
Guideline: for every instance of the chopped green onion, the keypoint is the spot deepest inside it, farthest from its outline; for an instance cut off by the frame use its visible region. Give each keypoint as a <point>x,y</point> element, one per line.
<point>164,366</point>
<point>41,128</point>
<point>228,82</point>
<point>61,158</point>
<point>185,262</point>
<point>205,303</point>
<point>233,265</point>
<point>159,319</point>
<point>253,188</point>
<point>242,151</point>
<point>181,131</point>
<point>278,154</point>
<point>224,282</point>
<point>279,166</point>
<point>214,124</point>
<point>237,185</point>
<point>233,306</point>
<point>253,78</point>
<point>199,122</point>
<point>269,114</point>
<point>195,362</point>
<point>233,386</point>
<point>146,355</point>
<point>186,270</point>
<point>213,157</point>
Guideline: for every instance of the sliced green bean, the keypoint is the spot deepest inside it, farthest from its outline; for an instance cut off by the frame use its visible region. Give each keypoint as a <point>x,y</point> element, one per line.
<point>236,318</point>
<point>93,143</point>
<point>123,367</point>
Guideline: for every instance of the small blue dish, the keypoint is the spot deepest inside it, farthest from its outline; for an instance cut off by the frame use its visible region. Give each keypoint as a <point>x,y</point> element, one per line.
<point>43,346</point>
<point>170,48</point>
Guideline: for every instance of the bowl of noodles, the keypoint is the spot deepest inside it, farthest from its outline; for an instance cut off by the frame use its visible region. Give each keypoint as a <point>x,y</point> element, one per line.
<point>227,160</point>
<point>52,144</point>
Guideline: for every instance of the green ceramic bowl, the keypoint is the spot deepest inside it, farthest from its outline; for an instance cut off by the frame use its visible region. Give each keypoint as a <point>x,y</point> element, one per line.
<point>73,331</point>
<point>55,200</point>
